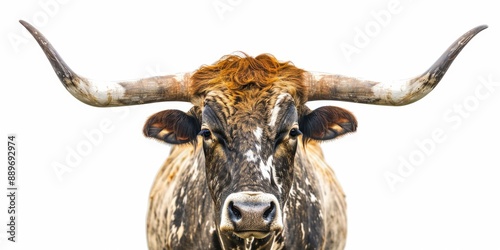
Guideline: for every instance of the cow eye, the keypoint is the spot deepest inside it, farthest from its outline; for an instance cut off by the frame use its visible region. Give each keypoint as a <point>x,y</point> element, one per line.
<point>205,133</point>
<point>294,132</point>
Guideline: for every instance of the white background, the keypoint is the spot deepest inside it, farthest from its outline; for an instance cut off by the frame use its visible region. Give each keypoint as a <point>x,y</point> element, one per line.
<point>451,200</point>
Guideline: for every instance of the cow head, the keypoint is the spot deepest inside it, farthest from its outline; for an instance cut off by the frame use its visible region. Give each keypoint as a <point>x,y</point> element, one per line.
<point>250,115</point>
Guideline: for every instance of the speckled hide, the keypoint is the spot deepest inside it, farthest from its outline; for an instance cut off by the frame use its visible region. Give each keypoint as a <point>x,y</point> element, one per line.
<point>181,211</point>
<point>246,170</point>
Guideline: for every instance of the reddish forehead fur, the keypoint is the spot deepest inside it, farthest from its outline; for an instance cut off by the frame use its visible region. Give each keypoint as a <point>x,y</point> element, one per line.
<point>237,73</point>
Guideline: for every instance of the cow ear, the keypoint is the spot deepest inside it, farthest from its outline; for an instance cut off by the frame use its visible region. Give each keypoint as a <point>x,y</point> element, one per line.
<point>327,123</point>
<point>172,126</point>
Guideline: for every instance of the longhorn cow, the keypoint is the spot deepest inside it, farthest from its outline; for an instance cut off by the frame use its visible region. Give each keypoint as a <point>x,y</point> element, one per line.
<point>246,170</point>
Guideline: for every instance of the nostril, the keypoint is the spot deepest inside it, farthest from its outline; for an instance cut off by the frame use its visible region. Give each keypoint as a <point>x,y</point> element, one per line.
<point>234,213</point>
<point>270,212</point>
<point>251,214</point>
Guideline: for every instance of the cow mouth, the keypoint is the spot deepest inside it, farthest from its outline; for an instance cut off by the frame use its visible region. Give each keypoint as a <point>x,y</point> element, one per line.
<point>252,234</point>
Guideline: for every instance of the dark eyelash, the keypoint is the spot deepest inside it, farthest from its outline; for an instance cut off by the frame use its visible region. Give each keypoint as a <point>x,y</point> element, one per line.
<point>205,133</point>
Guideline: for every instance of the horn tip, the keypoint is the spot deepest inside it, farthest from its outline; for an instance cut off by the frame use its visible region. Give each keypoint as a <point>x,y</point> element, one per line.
<point>25,24</point>
<point>480,28</point>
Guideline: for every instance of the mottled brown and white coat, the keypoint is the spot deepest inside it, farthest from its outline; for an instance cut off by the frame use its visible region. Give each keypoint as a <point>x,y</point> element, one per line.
<point>246,170</point>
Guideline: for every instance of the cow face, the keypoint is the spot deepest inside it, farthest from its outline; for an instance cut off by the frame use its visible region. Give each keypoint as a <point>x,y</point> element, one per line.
<point>250,121</point>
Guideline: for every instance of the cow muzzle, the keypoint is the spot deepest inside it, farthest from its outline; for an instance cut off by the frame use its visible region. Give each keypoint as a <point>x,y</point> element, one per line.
<point>251,214</point>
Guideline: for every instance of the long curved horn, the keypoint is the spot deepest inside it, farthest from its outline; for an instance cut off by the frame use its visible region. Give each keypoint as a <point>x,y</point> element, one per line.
<point>109,94</point>
<point>396,93</point>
